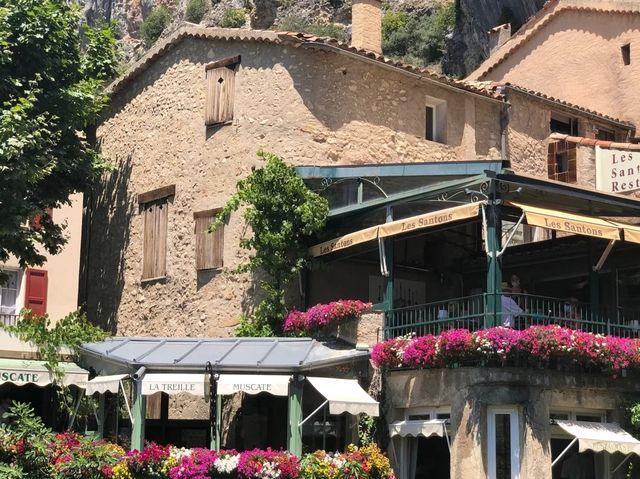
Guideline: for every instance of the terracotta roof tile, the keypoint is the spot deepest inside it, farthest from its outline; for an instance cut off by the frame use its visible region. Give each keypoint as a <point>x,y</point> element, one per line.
<point>291,38</point>
<point>580,140</point>
<point>502,87</point>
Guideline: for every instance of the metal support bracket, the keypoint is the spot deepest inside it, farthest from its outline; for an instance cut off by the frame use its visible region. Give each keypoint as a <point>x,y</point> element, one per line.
<point>622,462</point>
<point>566,450</point>
<point>511,235</point>
<point>384,271</point>
<point>313,413</point>
<point>126,401</point>
<point>605,255</point>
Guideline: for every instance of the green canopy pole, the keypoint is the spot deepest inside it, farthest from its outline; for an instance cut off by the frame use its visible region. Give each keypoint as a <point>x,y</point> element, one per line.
<point>101,415</point>
<point>388,245</point>
<point>493,311</point>
<point>218,420</point>
<point>294,431</point>
<point>138,412</point>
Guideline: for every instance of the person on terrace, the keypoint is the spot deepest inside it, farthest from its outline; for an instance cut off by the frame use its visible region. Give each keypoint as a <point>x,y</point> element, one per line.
<point>510,309</point>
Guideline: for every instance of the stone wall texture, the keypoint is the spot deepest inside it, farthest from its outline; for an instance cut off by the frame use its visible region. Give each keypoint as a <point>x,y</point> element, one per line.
<point>310,107</point>
<point>471,392</point>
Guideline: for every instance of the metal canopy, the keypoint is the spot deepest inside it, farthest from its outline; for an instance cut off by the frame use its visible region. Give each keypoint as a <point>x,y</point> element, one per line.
<point>263,355</point>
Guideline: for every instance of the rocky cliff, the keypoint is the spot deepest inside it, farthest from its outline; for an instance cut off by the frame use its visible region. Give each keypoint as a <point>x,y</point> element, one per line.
<point>468,44</point>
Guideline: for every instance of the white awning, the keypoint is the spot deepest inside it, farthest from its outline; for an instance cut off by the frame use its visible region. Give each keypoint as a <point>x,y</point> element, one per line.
<point>253,384</point>
<point>102,384</point>
<point>415,428</point>
<point>173,384</point>
<point>26,371</point>
<point>345,395</point>
<point>601,436</point>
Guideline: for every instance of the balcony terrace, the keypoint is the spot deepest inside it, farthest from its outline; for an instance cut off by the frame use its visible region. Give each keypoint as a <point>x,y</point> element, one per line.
<point>474,313</point>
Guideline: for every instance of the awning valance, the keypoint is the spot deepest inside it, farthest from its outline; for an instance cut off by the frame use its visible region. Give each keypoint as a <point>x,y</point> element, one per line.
<point>569,222</point>
<point>103,384</point>
<point>173,384</point>
<point>25,371</point>
<point>631,232</point>
<point>413,223</point>
<point>415,428</point>
<point>345,395</point>
<point>599,436</point>
<point>278,385</point>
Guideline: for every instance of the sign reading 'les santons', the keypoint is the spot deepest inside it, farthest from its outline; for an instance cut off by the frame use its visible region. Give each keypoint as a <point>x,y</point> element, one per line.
<point>617,171</point>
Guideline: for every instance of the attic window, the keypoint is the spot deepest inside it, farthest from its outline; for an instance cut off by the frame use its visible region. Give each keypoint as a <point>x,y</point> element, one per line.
<point>626,53</point>
<point>221,87</point>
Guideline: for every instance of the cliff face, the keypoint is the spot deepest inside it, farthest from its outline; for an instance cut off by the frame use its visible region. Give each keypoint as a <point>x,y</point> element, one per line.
<point>468,45</point>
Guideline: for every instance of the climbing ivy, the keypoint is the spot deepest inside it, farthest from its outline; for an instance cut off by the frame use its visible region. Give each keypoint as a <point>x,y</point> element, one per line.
<point>282,214</point>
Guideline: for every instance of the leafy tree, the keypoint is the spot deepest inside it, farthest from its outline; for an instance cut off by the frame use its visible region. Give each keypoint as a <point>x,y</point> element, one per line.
<point>196,10</point>
<point>50,92</point>
<point>417,39</point>
<point>282,214</point>
<point>155,23</point>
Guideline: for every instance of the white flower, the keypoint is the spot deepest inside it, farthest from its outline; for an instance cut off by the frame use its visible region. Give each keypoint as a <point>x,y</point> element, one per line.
<point>226,464</point>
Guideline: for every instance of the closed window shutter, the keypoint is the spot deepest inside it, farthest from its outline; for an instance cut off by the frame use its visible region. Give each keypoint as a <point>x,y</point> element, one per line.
<point>36,291</point>
<point>155,239</point>
<point>209,246</point>
<point>221,87</point>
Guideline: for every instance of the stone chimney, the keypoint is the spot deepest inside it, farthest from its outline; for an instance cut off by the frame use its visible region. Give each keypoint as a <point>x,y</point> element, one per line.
<point>366,25</point>
<point>498,36</point>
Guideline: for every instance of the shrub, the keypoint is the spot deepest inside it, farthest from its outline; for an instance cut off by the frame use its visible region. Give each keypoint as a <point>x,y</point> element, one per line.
<point>298,24</point>
<point>196,10</point>
<point>155,24</point>
<point>234,18</point>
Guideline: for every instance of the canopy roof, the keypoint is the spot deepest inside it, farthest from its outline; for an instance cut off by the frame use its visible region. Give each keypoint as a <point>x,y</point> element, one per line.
<point>158,355</point>
<point>415,428</point>
<point>28,371</point>
<point>345,395</point>
<point>599,436</point>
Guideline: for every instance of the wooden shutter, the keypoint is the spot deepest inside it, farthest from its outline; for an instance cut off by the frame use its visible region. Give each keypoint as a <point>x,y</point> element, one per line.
<point>36,291</point>
<point>221,86</point>
<point>209,246</point>
<point>156,215</point>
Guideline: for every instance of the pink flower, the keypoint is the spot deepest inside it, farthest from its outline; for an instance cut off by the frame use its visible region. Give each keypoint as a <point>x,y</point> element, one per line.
<point>321,315</point>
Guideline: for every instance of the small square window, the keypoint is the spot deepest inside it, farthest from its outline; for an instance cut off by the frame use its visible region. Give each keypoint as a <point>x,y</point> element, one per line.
<point>626,54</point>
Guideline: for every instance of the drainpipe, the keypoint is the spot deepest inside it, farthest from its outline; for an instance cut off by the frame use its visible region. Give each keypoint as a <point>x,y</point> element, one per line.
<point>504,123</point>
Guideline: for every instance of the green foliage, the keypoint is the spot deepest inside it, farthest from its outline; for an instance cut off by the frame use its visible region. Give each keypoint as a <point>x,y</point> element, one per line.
<point>234,18</point>
<point>50,92</point>
<point>366,429</point>
<point>417,39</point>
<point>299,24</point>
<point>71,331</point>
<point>155,23</point>
<point>282,214</point>
<point>102,57</point>
<point>196,10</point>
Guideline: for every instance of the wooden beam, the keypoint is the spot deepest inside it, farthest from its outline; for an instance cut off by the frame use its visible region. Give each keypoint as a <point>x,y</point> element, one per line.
<point>225,62</point>
<point>157,194</point>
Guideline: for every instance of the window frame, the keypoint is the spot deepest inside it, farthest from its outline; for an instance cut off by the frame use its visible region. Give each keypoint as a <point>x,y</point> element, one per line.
<point>438,120</point>
<point>211,113</point>
<point>514,440</point>
<point>19,276</point>
<point>625,51</point>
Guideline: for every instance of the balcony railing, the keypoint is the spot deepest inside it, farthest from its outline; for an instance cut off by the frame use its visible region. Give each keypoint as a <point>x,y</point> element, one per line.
<point>9,319</point>
<point>477,312</point>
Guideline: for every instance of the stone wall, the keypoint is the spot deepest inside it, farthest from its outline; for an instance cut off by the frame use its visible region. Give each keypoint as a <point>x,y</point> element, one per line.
<point>470,392</point>
<point>312,108</point>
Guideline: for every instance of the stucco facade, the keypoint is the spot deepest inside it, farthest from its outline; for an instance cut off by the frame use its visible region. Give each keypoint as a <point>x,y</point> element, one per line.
<point>574,50</point>
<point>310,107</point>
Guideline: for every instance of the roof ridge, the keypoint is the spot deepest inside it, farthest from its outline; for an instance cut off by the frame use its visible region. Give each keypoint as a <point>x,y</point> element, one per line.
<point>581,140</point>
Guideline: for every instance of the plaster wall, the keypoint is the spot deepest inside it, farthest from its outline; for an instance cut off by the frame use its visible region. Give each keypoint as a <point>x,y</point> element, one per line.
<point>576,56</point>
<point>471,392</point>
<point>63,269</point>
<point>308,107</point>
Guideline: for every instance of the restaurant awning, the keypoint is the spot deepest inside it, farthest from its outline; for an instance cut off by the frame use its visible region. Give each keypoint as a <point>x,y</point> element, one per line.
<point>173,384</point>
<point>415,428</point>
<point>568,222</point>
<point>345,395</point>
<point>27,371</point>
<point>601,437</point>
<point>405,225</point>
<point>278,385</point>
<point>631,232</point>
<point>103,384</point>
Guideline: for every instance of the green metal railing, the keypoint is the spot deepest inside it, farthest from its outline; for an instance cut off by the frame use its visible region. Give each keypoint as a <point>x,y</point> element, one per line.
<point>473,312</point>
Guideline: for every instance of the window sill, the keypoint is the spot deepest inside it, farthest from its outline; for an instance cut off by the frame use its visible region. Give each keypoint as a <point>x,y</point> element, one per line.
<point>158,279</point>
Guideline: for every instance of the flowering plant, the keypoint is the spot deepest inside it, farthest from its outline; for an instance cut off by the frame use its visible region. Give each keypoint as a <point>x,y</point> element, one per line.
<point>267,464</point>
<point>539,344</point>
<point>322,315</point>
<point>149,462</point>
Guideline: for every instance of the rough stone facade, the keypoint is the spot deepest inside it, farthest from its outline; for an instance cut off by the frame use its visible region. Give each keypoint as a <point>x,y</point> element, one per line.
<point>310,107</point>
<point>469,392</point>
